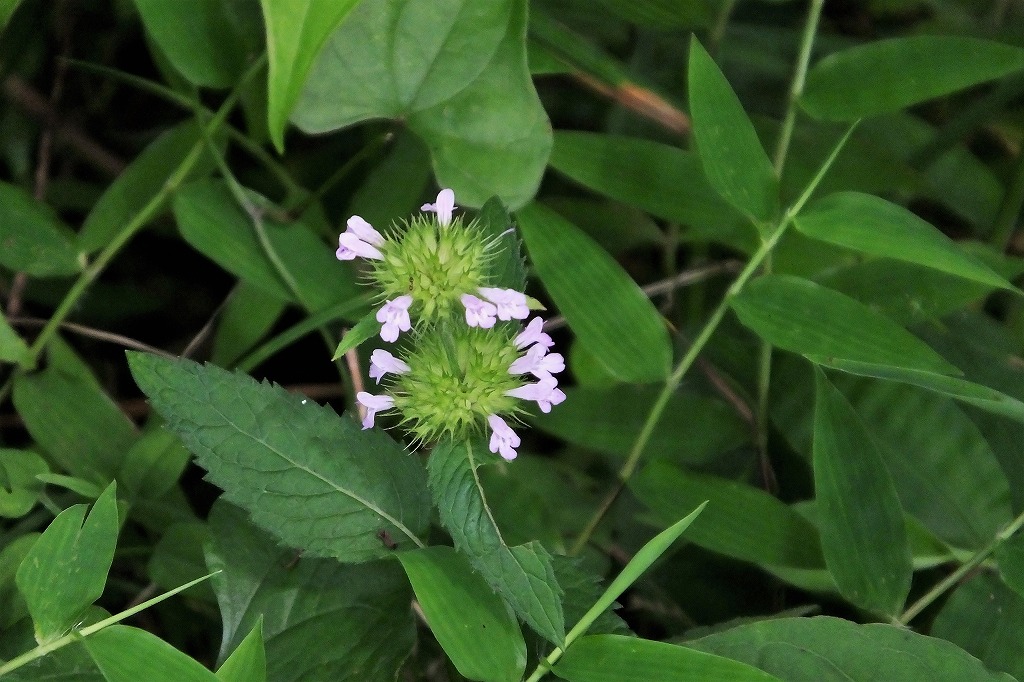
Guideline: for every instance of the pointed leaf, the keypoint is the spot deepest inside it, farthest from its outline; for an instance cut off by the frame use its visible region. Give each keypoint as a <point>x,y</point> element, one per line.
<point>66,569</point>
<point>865,545</point>
<point>126,654</point>
<point>296,32</point>
<point>472,624</point>
<point>364,329</point>
<point>625,333</point>
<point>522,574</point>
<point>889,75</point>
<point>730,151</point>
<point>248,662</point>
<point>32,239</point>
<point>316,481</point>
<point>12,347</point>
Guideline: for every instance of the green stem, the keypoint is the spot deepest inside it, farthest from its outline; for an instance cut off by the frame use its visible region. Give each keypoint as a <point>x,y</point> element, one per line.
<point>956,576</point>
<point>1009,210</point>
<point>717,33</point>
<point>796,88</point>
<point>672,383</point>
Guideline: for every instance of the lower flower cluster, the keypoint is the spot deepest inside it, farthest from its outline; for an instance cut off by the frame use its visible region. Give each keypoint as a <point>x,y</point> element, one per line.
<point>465,360</point>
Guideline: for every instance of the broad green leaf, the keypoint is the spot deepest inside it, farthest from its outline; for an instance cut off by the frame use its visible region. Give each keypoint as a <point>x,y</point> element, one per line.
<point>865,545</point>
<point>522,575</point>
<point>126,654</point>
<point>66,569</point>
<point>985,618</point>
<point>12,347</point>
<point>322,620</point>
<point>153,464</point>
<point>248,662</point>
<point>803,649</point>
<point>463,86</point>
<point>142,180</point>
<point>274,453</point>
<point>473,625</point>
<point>75,422</point>
<point>211,221</point>
<point>364,329</point>
<point>881,228</point>
<point>1010,555</point>
<point>507,268</point>
<point>197,37</point>
<point>740,520</point>
<point>296,33</point>
<point>803,317</point>
<point>692,428</point>
<point>249,315</point>
<point>625,332</point>
<point>32,239</point>
<point>7,9</point>
<point>730,151</point>
<point>666,181</point>
<point>615,658</point>
<point>19,487</point>
<point>889,75</point>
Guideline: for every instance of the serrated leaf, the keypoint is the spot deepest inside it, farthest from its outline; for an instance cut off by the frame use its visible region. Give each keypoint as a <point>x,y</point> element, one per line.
<point>616,658</point>
<point>322,620</point>
<point>522,574</point>
<point>472,624</point>
<point>625,332</point>
<point>32,239</point>
<point>582,589</point>
<point>127,654</point>
<point>296,33</point>
<point>364,329</point>
<point>316,481</point>
<point>66,569</point>
<point>865,545</point>
<point>880,228</point>
<point>248,662</point>
<point>734,161</point>
<point>889,75</point>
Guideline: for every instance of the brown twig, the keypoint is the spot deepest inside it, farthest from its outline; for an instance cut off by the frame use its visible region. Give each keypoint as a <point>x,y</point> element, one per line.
<point>641,100</point>
<point>90,332</point>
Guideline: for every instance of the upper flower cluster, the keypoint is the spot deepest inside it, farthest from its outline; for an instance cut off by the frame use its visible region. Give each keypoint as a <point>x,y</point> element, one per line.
<point>463,364</point>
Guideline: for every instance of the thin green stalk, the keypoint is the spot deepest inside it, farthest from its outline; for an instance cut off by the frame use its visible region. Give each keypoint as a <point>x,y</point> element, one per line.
<point>672,383</point>
<point>717,33</point>
<point>1009,210</point>
<point>956,576</point>
<point>796,88</point>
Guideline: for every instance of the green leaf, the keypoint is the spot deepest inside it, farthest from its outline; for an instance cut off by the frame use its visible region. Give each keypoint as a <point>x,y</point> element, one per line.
<point>212,222</point>
<point>74,421</point>
<point>472,624</point>
<point>66,569</point>
<point>803,317</point>
<point>296,33</point>
<point>522,574</point>
<point>178,558</point>
<point>463,86</point>
<point>126,654</point>
<point>7,9</point>
<point>33,239</point>
<point>663,180</point>
<point>248,662</point>
<point>625,332</point>
<point>865,545</point>
<point>889,75</point>
<point>741,521</point>
<point>1010,555</point>
<point>582,589</point>
<point>19,487</point>
<point>730,151</point>
<point>616,658</point>
<point>197,37</point>
<point>143,179</point>
<point>12,347</point>
<point>274,453</point>
<point>364,329</point>
<point>507,269</point>
<point>802,649</point>
<point>249,316</point>
<point>880,228</point>
<point>610,419</point>
<point>322,620</point>
<point>985,618</point>
<point>153,464</point>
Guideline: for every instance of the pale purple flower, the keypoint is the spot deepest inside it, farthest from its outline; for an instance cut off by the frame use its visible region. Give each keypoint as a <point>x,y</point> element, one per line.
<point>545,392</point>
<point>373,405</point>
<point>478,313</point>
<point>442,206</point>
<point>503,439</point>
<point>382,362</point>
<point>538,362</point>
<point>534,333</point>
<point>364,231</point>
<point>394,315</point>
<point>511,304</point>
<point>350,246</point>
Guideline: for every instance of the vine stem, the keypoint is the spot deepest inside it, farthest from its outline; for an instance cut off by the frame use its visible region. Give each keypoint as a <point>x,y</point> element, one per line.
<point>673,381</point>
<point>956,576</point>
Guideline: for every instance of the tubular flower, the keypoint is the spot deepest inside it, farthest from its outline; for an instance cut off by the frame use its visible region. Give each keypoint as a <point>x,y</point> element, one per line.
<point>442,206</point>
<point>382,362</point>
<point>394,316</point>
<point>373,405</point>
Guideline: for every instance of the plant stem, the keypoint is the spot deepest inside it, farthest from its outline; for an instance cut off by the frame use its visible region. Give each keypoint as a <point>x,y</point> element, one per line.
<point>953,578</point>
<point>796,88</point>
